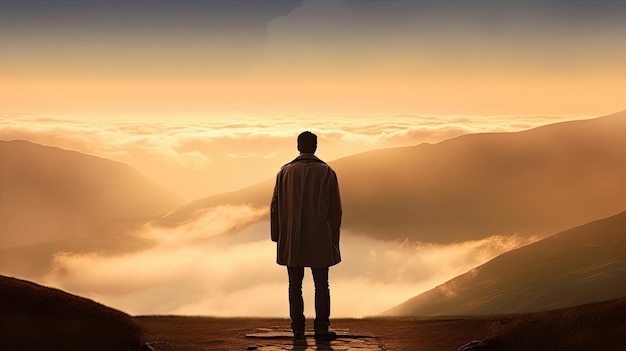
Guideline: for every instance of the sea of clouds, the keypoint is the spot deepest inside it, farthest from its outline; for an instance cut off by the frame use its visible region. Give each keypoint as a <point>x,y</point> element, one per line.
<point>222,263</point>
<point>197,156</point>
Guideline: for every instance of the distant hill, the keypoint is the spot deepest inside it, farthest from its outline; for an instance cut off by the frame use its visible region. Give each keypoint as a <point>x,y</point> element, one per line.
<point>534,182</point>
<point>49,194</point>
<point>581,265</point>
<point>34,317</point>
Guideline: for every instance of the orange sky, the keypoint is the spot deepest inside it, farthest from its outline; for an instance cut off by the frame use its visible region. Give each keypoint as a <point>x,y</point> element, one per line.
<point>309,57</point>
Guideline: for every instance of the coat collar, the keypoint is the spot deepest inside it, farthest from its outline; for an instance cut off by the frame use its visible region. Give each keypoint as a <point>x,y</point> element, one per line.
<point>305,157</point>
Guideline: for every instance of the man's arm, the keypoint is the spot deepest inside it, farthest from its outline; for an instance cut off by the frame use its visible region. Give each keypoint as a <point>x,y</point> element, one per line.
<point>274,223</point>
<point>335,211</point>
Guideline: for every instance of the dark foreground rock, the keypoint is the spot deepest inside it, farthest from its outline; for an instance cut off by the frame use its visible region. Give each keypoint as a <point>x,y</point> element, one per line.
<point>34,317</point>
<point>597,326</point>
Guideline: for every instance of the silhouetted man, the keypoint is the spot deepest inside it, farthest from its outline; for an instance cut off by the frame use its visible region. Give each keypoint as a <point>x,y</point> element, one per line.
<point>305,221</point>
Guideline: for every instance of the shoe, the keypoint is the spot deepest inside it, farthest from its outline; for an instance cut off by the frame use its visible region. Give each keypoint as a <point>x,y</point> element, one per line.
<point>299,339</point>
<point>327,336</point>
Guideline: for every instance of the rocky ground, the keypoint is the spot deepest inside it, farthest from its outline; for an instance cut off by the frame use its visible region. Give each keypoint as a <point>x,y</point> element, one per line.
<point>169,333</point>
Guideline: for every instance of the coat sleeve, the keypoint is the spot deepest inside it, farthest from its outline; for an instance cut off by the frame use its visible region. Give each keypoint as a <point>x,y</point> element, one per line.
<point>274,222</point>
<point>335,211</point>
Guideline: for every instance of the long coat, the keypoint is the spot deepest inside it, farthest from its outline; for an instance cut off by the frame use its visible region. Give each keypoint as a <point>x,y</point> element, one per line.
<point>306,214</point>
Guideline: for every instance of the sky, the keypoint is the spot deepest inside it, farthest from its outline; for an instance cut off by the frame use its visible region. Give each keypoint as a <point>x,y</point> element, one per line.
<point>206,97</point>
<point>249,57</point>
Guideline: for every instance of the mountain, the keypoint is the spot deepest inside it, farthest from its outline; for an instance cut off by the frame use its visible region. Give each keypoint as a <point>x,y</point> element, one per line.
<point>49,194</point>
<point>582,265</point>
<point>34,317</point>
<point>534,182</point>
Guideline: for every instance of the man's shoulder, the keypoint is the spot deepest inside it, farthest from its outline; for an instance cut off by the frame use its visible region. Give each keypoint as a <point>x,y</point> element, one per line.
<point>311,165</point>
<point>306,159</point>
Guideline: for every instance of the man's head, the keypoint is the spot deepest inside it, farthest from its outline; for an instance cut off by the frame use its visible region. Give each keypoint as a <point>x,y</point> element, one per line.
<point>307,142</point>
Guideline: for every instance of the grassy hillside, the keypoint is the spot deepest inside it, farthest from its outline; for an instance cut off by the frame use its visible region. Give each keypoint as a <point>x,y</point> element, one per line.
<point>581,265</point>
<point>50,194</point>
<point>34,317</point>
<point>54,200</point>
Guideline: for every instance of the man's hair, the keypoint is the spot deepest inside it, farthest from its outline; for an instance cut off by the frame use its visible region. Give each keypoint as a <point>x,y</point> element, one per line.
<point>307,142</point>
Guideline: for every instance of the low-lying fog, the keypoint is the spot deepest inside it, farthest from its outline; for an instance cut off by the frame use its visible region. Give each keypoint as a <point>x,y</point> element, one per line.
<point>223,264</point>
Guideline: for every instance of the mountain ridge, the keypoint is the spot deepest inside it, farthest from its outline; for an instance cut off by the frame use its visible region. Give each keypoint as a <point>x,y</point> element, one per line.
<point>581,265</point>
<point>49,193</point>
<point>474,186</point>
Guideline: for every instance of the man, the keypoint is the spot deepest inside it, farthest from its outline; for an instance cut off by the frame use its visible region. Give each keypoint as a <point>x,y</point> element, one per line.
<point>305,221</point>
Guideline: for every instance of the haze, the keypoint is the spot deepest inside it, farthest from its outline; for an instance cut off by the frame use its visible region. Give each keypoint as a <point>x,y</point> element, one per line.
<point>211,267</point>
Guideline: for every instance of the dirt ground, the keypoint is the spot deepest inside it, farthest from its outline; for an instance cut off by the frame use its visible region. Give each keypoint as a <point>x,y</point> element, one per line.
<point>176,333</point>
<point>598,326</point>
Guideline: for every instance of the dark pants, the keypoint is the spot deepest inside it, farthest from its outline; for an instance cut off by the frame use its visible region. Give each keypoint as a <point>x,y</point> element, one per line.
<point>322,299</point>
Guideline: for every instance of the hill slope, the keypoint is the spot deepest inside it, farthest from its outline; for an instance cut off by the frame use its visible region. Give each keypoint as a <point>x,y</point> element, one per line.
<point>34,317</point>
<point>49,194</point>
<point>538,181</point>
<point>581,265</point>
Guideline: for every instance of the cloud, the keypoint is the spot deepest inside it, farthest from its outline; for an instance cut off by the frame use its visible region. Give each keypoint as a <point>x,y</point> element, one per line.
<point>205,224</point>
<point>199,156</point>
<point>223,264</point>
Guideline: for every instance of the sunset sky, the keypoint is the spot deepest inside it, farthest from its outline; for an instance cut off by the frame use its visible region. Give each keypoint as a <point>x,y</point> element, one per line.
<point>188,91</point>
<point>251,57</point>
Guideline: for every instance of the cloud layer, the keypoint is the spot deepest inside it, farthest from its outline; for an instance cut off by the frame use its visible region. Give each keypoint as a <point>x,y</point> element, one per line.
<point>223,264</point>
<point>202,155</point>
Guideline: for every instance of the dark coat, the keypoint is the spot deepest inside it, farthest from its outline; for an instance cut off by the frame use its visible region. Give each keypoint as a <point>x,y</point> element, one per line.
<point>306,214</point>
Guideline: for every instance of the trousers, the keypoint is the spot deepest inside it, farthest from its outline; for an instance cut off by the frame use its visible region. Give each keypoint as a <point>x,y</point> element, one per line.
<point>322,299</point>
